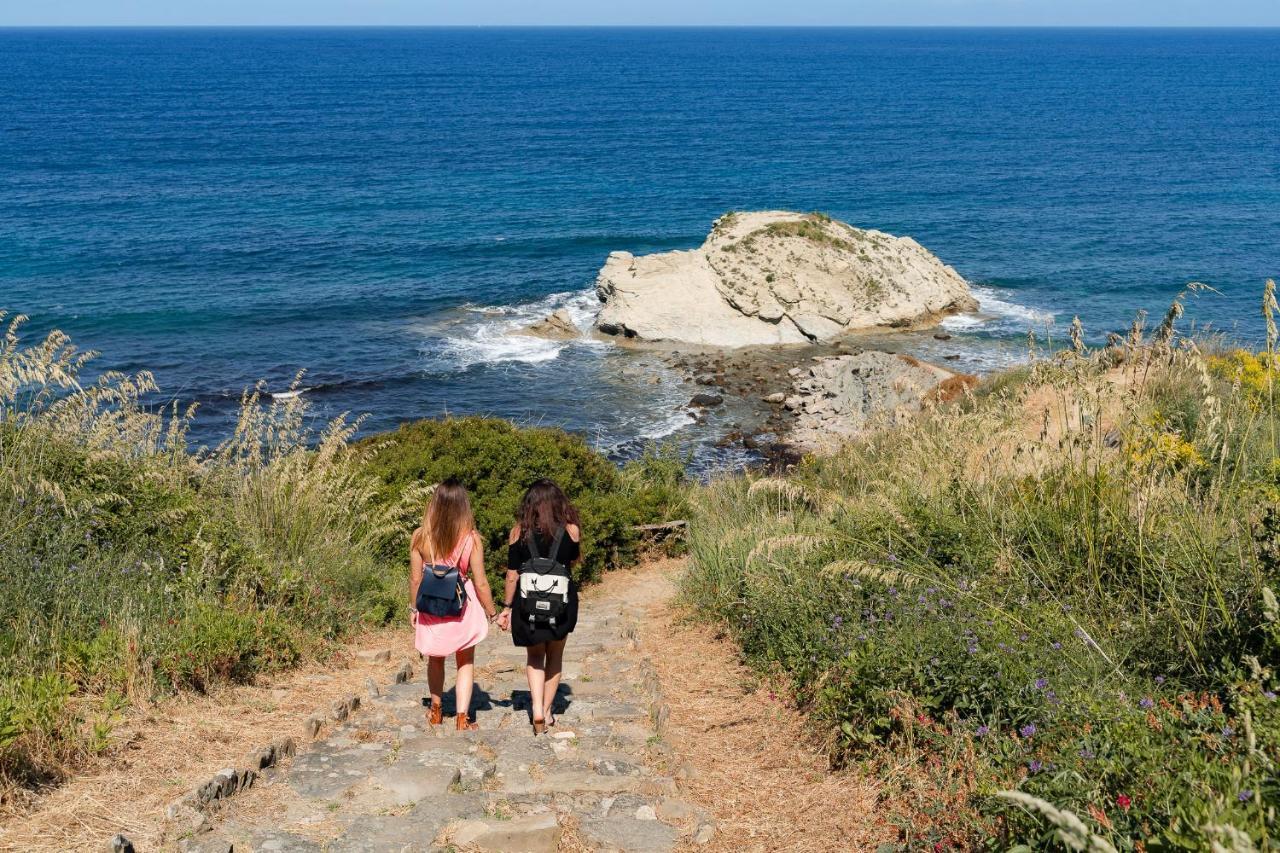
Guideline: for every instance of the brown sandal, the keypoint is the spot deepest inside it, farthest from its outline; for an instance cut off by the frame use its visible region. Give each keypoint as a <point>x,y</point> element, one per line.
<point>465,724</point>
<point>435,715</point>
<point>539,727</point>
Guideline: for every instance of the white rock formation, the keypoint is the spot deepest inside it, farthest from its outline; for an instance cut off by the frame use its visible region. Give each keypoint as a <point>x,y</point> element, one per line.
<point>776,277</point>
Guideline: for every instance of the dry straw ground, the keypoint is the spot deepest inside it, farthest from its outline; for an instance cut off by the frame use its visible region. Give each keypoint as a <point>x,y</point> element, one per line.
<point>754,764</point>
<point>166,749</point>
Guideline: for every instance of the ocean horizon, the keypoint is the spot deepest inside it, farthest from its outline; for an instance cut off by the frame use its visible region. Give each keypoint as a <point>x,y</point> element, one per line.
<point>382,206</point>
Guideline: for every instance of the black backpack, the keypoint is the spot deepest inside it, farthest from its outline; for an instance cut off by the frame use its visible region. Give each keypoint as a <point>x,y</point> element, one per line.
<point>544,584</point>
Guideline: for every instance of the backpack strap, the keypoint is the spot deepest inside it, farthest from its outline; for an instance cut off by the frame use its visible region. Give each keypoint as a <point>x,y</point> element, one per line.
<point>555,545</point>
<point>464,555</point>
<point>531,540</point>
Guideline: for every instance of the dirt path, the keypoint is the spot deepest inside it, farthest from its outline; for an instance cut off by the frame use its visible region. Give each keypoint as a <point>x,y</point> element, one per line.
<point>747,757</point>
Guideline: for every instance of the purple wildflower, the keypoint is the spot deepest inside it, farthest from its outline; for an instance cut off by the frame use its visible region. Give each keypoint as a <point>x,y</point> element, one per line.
<point>982,731</point>
<point>1159,679</point>
<point>1028,730</point>
<point>1269,695</point>
<point>1042,683</point>
<point>1086,753</point>
<point>1146,703</point>
<point>1056,646</point>
<point>1035,766</point>
<point>1227,731</point>
<point>1245,796</point>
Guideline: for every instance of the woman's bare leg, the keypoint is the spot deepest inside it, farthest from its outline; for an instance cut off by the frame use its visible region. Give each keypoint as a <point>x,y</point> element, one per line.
<point>435,682</point>
<point>466,678</point>
<point>535,670</point>
<point>554,663</point>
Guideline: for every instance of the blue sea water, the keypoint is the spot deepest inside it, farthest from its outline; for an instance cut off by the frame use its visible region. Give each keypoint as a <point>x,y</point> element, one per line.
<point>381,206</point>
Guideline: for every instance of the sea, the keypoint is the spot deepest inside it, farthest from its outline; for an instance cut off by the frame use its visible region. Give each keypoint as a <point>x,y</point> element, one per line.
<point>381,208</point>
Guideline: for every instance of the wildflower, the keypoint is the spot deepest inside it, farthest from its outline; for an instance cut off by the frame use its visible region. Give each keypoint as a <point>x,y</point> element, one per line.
<point>1159,679</point>
<point>1269,695</point>
<point>1087,754</point>
<point>1022,638</point>
<point>1245,796</point>
<point>982,731</point>
<point>1146,703</point>
<point>1056,646</point>
<point>1123,801</point>
<point>1227,731</point>
<point>1028,730</point>
<point>1035,766</point>
<point>837,622</point>
<point>1042,683</point>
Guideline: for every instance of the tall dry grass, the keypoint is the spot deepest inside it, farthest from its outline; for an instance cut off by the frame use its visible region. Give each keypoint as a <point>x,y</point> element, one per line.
<point>135,566</point>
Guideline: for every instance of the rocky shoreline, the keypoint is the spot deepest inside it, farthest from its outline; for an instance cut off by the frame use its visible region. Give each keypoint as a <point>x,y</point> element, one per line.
<point>785,402</point>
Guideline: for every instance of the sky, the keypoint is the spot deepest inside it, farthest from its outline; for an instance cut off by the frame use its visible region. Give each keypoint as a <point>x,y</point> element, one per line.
<point>1237,13</point>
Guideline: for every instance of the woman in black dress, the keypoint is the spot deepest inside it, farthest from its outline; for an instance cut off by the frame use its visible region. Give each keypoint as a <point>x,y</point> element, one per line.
<point>546,519</point>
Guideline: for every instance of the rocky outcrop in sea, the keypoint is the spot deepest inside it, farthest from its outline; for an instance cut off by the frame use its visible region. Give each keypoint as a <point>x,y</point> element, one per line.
<point>775,277</point>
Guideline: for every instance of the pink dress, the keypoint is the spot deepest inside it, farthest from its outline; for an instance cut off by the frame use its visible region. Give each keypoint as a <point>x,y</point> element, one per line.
<point>439,637</point>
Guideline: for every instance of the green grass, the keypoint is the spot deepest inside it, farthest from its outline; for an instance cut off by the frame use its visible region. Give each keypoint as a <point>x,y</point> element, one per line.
<point>1086,615</point>
<point>815,227</point>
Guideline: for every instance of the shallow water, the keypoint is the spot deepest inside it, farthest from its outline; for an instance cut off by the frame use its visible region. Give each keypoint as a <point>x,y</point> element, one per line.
<point>381,207</point>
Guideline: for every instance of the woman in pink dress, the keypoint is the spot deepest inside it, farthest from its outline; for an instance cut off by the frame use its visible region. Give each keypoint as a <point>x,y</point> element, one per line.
<point>448,537</point>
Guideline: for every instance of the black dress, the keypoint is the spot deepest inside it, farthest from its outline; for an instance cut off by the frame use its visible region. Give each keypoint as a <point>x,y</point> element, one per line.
<point>521,632</point>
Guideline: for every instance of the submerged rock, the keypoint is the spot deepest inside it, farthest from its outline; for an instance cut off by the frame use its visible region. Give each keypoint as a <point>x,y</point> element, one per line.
<point>776,277</point>
<point>704,401</point>
<point>556,326</point>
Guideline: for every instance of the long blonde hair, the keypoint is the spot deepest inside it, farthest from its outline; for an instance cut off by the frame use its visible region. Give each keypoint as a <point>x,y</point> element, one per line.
<point>445,521</point>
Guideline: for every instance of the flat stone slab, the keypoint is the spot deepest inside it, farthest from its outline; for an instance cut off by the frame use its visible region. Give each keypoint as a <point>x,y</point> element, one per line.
<point>534,833</point>
<point>630,835</point>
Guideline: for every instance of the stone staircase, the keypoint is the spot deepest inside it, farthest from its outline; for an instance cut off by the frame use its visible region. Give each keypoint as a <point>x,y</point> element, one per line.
<point>382,780</point>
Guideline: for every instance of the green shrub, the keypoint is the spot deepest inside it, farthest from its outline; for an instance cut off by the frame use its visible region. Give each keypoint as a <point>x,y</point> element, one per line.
<point>1069,579</point>
<point>497,462</point>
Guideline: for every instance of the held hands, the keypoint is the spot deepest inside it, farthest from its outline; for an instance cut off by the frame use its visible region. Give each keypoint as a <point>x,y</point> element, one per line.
<point>503,620</point>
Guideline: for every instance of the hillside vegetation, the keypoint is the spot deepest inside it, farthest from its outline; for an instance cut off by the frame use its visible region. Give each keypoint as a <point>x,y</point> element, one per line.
<point>1063,588</point>
<point>135,567</point>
